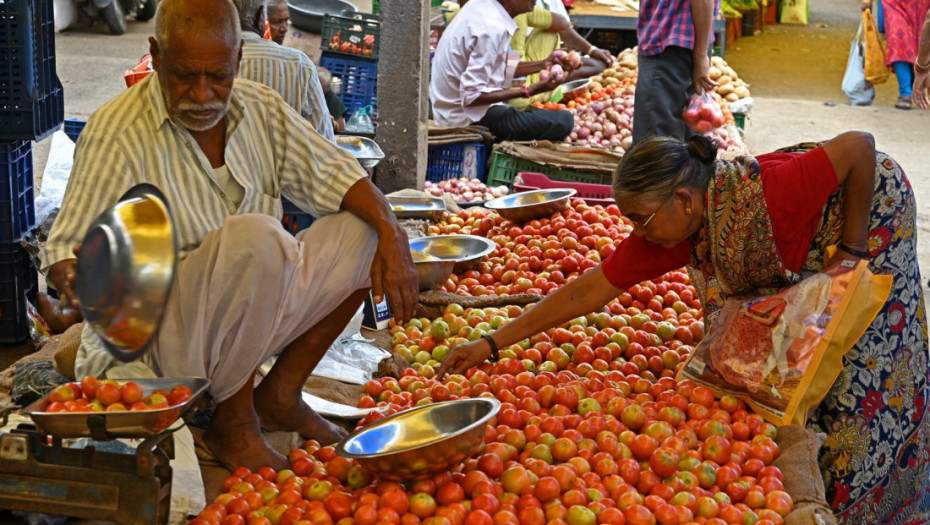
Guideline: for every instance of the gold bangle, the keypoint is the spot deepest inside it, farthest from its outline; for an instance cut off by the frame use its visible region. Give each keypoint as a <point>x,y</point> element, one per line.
<point>918,65</point>
<point>591,50</point>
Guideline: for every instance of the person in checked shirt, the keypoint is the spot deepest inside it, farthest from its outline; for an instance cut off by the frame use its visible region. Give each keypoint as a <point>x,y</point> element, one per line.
<point>674,38</point>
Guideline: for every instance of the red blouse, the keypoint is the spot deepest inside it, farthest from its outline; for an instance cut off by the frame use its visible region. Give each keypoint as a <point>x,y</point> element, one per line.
<point>796,187</point>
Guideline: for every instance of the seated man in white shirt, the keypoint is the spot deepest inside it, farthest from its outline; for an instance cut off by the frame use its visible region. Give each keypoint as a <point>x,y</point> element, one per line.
<point>224,151</point>
<point>288,71</point>
<point>473,71</point>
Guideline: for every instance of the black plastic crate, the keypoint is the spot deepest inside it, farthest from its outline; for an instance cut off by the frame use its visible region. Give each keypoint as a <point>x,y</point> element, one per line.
<point>355,34</point>
<point>19,281</point>
<point>17,208</point>
<point>359,79</point>
<point>31,96</point>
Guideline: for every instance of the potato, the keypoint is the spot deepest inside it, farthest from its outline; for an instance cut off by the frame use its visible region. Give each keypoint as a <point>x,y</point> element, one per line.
<point>732,97</point>
<point>713,72</point>
<point>724,90</point>
<point>594,86</point>
<point>742,92</point>
<point>609,81</point>
<point>723,79</point>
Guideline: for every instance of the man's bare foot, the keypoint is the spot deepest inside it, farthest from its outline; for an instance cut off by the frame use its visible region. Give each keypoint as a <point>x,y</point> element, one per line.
<point>280,411</point>
<point>240,444</point>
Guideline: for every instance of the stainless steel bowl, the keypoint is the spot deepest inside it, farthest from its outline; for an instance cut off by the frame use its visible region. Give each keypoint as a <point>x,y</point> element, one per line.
<point>128,424</point>
<point>366,151</point>
<point>417,207</point>
<point>575,88</point>
<point>421,441</point>
<point>125,269</point>
<point>529,205</point>
<point>431,271</point>
<point>465,251</point>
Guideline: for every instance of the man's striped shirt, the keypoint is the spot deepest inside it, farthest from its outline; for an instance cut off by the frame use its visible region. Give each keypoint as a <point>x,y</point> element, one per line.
<point>270,150</point>
<point>289,72</point>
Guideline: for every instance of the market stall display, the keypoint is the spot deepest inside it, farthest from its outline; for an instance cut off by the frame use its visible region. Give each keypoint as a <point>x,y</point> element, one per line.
<point>604,115</point>
<point>465,190</point>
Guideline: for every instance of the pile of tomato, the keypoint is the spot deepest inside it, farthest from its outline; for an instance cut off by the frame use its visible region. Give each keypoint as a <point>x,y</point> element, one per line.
<point>593,427</point>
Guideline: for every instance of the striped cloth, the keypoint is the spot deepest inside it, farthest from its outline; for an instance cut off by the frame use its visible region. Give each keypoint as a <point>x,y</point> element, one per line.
<point>270,150</point>
<point>289,72</point>
<point>664,23</point>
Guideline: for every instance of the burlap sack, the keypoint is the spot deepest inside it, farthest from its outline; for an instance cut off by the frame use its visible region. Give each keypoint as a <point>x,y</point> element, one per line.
<point>333,390</point>
<point>392,366</point>
<point>433,302</point>
<point>564,156</point>
<point>798,462</point>
<point>440,135</point>
<point>68,344</point>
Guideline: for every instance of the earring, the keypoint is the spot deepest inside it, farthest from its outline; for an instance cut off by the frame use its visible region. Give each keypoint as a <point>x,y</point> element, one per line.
<point>687,211</point>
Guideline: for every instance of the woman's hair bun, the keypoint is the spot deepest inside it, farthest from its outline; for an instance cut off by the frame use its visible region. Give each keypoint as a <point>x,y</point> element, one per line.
<point>703,148</point>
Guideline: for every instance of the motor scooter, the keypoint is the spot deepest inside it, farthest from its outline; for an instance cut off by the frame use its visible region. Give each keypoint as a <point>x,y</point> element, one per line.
<point>113,12</point>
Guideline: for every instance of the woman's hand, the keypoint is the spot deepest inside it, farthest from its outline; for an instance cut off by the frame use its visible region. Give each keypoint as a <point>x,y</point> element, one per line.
<point>463,357</point>
<point>866,4</point>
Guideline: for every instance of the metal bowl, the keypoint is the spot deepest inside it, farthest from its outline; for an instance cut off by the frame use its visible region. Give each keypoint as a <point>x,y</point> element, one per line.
<point>125,269</point>
<point>464,250</point>
<point>529,205</point>
<point>128,424</point>
<point>417,207</point>
<point>431,271</point>
<point>365,150</point>
<point>308,14</point>
<point>421,441</point>
<point>571,90</point>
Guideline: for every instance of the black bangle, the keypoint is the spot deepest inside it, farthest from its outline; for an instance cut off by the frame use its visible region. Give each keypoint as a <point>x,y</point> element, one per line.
<point>862,254</point>
<point>495,355</point>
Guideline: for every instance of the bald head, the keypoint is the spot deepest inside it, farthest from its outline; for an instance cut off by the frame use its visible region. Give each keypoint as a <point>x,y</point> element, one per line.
<point>212,19</point>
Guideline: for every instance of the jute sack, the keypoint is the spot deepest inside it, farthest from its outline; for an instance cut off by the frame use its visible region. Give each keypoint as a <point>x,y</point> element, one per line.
<point>803,481</point>
<point>66,353</point>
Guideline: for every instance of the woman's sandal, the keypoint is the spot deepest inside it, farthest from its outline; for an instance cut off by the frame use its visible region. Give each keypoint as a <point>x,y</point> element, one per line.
<point>904,103</point>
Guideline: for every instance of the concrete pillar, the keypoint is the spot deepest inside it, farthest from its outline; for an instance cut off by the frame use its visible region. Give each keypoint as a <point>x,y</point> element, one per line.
<point>403,94</point>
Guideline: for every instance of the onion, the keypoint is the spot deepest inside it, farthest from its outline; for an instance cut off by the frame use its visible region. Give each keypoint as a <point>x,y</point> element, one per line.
<point>544,75</point>
<point>559,54</point>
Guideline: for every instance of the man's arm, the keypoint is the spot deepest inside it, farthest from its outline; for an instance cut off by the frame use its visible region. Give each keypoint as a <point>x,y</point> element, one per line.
<point>392,270</point>
<point>702,11</point>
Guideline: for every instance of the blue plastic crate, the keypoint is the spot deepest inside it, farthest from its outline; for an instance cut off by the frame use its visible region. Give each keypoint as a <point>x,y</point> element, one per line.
<point>452,161</point>
<point>359,79</point>
<point>74,127</point>
<point>17,209</point>
<point>19,281</point>
<point>31,96</point>
<point>295,219</point>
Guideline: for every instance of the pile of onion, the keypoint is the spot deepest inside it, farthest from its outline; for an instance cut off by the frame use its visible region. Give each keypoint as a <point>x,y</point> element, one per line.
<point>465,190</point>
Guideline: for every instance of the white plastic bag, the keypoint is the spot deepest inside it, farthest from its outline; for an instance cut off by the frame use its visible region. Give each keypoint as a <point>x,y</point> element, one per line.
<point>857,89</point>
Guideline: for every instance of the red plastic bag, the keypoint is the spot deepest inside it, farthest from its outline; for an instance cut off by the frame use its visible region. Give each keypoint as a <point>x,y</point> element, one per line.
<point>703,114</point>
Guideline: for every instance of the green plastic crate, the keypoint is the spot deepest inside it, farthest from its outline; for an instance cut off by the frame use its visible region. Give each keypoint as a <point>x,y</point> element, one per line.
<point>504,169</point>
<point>740,120</point>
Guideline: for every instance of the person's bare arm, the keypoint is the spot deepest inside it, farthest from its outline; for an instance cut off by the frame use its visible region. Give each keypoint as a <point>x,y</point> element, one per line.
<point>702,11</point>
<point>922,67</point>
<point>582,296</point>
<point>392,270</point>
<point>852,155</point>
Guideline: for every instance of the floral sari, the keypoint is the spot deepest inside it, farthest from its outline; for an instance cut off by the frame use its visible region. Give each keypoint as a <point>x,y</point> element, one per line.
<point>876,457</point>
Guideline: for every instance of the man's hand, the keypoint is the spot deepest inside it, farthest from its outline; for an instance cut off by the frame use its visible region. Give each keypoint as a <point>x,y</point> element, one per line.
<point>61,275</point>
<point>603,55</point>
<point>392,270</point>
<point>463,357</point>
<point>546,85</point>
<point>701,74</point>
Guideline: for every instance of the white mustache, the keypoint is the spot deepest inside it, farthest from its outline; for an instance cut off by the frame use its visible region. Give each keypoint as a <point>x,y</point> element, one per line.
<point>214,105</point>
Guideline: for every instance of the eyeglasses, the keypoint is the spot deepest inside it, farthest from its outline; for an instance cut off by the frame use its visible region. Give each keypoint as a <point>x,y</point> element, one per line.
<point>644,224</point>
